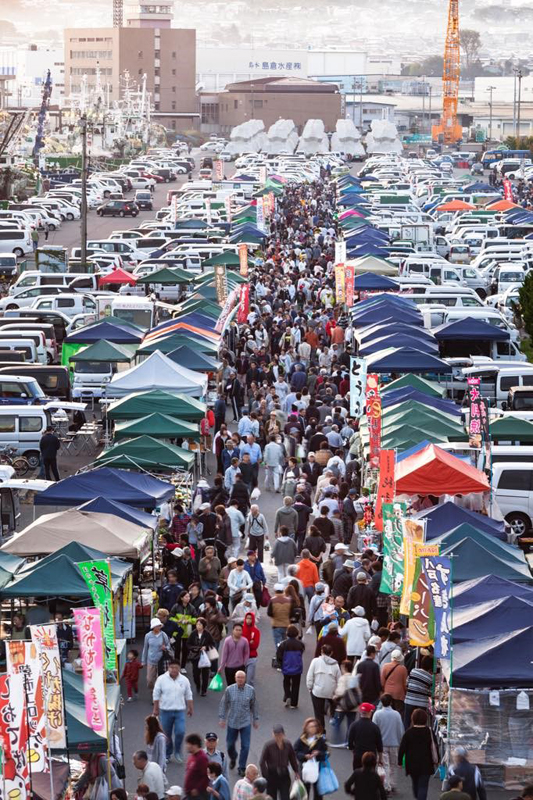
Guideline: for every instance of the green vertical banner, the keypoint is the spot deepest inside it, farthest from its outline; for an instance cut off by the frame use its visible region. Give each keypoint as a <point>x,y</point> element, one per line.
<point>98,578</point>
<point>393,533</point>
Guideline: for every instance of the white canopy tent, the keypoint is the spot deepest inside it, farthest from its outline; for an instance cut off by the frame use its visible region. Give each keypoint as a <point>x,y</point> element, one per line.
<point>158,372</point>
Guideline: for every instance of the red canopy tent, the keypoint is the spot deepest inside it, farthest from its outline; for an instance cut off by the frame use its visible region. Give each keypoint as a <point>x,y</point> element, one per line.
<point>434,471</point>
<point>118,275</point>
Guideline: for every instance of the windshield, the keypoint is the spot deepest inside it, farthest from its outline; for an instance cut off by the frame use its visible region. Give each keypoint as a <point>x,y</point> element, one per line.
<point>139,316</point>
<point>523,402</point>
<point>100,367</point>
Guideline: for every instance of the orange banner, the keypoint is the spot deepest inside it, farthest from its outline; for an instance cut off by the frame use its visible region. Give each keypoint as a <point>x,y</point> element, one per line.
<point>386,485</point>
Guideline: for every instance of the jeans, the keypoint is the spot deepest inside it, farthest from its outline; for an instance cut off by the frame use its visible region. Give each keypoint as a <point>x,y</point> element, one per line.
<point>173,724</point>
<point>272,478</point>
<point>231,739</point>
<point>291,689</point>
<point>279,635</point>
<point>209,585</point>
<point>337,737</point>
<point>250,671</point>
<point>420,786</point>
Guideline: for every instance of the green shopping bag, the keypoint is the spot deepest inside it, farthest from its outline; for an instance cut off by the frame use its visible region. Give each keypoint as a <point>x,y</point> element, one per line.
<point>217,684</point>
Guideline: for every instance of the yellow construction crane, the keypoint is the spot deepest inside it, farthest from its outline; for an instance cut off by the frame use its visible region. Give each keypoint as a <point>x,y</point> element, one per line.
<point>449,131</point>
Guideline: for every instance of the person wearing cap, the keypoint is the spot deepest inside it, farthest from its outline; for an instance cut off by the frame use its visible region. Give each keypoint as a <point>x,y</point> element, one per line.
<point>174,792</point>
<point>214,753</point>
<point>156,644</point>
<point>455,791</point>
<point>244,787</point>
<point>356,633</point>
<point>311,469</point>
<point>469,774</point>
<point>279,610</point>
<point>391,727</point>
<point>364,736</point>
<point>238,709</point>
<point>362,595</point>
<point>394,680</point>
<point>246,606</point>
<point>342,578</point>
<point>277,756</point>
<point>173,702</point>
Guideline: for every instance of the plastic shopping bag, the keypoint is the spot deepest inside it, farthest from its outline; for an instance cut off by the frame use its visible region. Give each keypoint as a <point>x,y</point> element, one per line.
<point>310,771</point>
<point>203,661</point>
<point>327,780</point>
<point>217,684</point>
<point>298,791</point>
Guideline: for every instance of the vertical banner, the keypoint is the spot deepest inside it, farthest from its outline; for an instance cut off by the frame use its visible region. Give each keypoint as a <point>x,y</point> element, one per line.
<point>507,190</point>
<point>373,415</point>
<point>128,609</point>
<point>227,308</point>
<point>414,534</point>
<point>393,535</point>
<point>266,205</point>
<point>421,622</point>
<point>45,639</point>
<point>387,483</point>
<point>174,209</point>
<point>98,578</point>
<point>228,207</point>
<point>260,214</point>
<point>339,283</point>
<point>349,277</point>
<point>357,386</point>
<point>221,283</point>
<point>340,251</point>
<point>262,175</point>
<point>15,778</point>
<point>244,303</point>
<point>22,658</point>
<point>474,422</point>
<point>219,169</point>
<point>243,260</point>
<point>208,210</point>
<point>438,573</point>
<point>89,625</point>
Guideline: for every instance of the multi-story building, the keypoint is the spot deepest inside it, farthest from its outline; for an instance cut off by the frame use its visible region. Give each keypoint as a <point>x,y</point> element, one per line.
<point>27,66</point>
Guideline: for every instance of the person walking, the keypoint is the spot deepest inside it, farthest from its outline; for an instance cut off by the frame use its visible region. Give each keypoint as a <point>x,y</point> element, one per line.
<point>256,529</point>
<point>46,228</point>
<point>255,570</point>
<point>214,753</point>
<point>418,748</point>
<point>390,725</point>
<point>311,745</point>
<point>356,633</point>
<point>251,632</point>
<point>369,677</point>
<point>156,741</point>
<point>284,551</point>
<point>365,781</point>
<point>277,756</point>
<point>280,610</point>
<point>468,773</point>
<point>419,688</point>
<point>273,458</point>
<point>196,778</point>
<point>172,698</point>
<point>49,447</point>
<point>364,736</point>
<point>156,645</point>
<point>199,643</point>
<point>394,680</point>
<point>244,787</point>
<point>307,573</point>
<point>286,517</point>
<point>35,239</point>
<point>235,654</point>
<point>289,657</point>
<point>239,582</point>
<point>209,569</point>
<point>321,679</point>
<point>218,787</point>
<point>239,710</point>
<point>151,773</point>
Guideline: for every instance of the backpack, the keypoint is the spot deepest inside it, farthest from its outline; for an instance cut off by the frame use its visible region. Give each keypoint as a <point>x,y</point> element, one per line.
<point>292,662</point>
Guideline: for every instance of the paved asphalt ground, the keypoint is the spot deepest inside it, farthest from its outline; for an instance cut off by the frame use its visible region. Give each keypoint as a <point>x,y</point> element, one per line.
<point>268,681</point>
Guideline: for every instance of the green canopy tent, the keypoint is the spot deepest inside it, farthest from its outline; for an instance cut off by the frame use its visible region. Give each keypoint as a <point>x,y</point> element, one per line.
<point>159,426</point>
<point>394,438</point>
<point>165,344</point>
<point>58,576</point>
<point>167,277</point>
<point>145,452</point>
<point>75,551</point>
<point>228,258</point>
<point>207,308</point>
<point>512,429</point>
<point>192,359</point>
<point>10,565</point>
<point>209,276</point>
<point>105,351</point>
<point>81,737</point>
<point>424,418</point>
<point>140,404</point>
<point>415,382</point>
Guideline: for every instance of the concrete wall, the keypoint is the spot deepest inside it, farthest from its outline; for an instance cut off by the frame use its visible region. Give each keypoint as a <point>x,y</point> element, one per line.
<point>236,107</point>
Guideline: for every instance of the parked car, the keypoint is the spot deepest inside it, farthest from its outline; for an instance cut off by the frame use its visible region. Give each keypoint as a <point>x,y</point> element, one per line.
<point>118,208</point>
<point>143,199</point>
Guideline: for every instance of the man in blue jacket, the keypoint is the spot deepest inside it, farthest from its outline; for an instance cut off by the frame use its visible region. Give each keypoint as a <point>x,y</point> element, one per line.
<point>254,568</point>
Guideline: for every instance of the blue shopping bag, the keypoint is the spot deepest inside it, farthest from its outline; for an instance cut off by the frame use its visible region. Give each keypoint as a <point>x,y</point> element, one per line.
<point>327,780</point>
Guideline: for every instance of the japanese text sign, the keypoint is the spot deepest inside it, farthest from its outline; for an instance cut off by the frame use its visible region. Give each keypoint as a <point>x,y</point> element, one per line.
<point>15,783</point>
<point>98,578</point>
<point>386,484</point>
<point>373,415</point>
<point>339,283</point>
<point>244,303</point>
<point>474,425</point>
<point>438,572</point>
<point>414,535</point>
<point>393,537</point>
<point>349,277</point>
<point>421,615</point>
<point>23,659</point>
<point>357,386</point>
<point>89,626</point>
<point>243,260</point>
<point>45,638</point>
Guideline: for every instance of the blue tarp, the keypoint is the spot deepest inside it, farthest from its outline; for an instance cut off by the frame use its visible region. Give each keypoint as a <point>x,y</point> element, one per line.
<point>398,340</point>
<point>472,560</point>
<point>491,618</point>
<point>488,587</point>
<point>105,330</point>
<point>368,334</point>
<point>369,281</point>
<point>386,299</point>
<point>491,543</point>
<point>102,505</point>
<point>405,359</point>
<point>132,488</point>
<point>367,250</point>
<point>502,661</point>
<point>445,517</point>
<point>382,313</point>
<point>470,329</point>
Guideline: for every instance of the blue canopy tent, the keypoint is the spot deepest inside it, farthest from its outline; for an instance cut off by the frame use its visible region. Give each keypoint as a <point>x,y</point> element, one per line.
<point>383,312</point>
<point>471,560</point>
<point>398,340</point>
<point>491,543</point>
<point>367,250</point>
<point>102,505</point>
<point>405,359</point>
<point>499,661</point>
<point>469,329</point>
<point>396,396</point>
<point>368,281</point>
<point>132,488</point>
<point>488,587</point>
<point>491,618</point>
<point>443,518</point>
<point>105,330</point>
<point>478,186</point>
<point>372,332</point>
<point>390,300</point>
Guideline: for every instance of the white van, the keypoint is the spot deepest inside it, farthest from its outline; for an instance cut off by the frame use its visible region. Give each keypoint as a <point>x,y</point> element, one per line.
<point>69,304</point>
<point>74,281</point>
<point>37,337</point>
<point>16,241</point>
<point>89,378</point>
<point>32,326</point>
<point>21,427</point>
<point>512,483</point>
<point>126,250</point>
<point>496,382</point>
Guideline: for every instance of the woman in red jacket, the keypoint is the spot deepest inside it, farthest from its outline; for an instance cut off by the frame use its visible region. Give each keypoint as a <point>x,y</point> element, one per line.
<point>251,632</point>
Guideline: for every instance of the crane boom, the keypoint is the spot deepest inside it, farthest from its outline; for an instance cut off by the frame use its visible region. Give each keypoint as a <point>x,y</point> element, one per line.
<point>449,128</point>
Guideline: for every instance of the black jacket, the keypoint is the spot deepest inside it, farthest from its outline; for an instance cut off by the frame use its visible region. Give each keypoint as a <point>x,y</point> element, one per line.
<point>362,595</point>
<point>365,783</point>
<point>241,494</point>
<point>370,680</point>
<point>416,747</point>
<point>364,736</point>
<point>312,472</point>
<point>49,445</point>
<point>302,749</point>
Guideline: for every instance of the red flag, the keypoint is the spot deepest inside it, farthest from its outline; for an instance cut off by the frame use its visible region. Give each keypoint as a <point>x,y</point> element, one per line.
<point>244,303</point>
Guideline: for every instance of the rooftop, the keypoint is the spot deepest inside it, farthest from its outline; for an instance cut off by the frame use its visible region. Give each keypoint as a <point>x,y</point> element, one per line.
<point>283,85</point>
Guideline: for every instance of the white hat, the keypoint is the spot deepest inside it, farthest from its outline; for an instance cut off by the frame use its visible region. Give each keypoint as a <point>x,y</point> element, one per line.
<point>232,560</point>
<point>362,576</point>
<point>155,623</point>
<point>396,655</point>
<point>202,508</point>
<point>340,546</point>
<point>172,791</point>
<point>359,611</point>
<point>278,587</point>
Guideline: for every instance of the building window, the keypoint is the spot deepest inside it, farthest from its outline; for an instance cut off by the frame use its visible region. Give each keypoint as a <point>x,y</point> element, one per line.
<point>140,54</point>
<point>173,71</point>
<point>156,106</point>
<point>174,89</point>
<point>173,54</point>
<point>174,124</point>
<point>173,105</point>
<point>140,70</point>
<point>258,104</point>
<point>235,104</point>
<point>157,53</point>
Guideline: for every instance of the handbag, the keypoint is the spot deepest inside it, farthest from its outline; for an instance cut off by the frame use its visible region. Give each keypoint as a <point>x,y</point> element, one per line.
<point>350,700</point>
<point>212,654</point>
<point>327,780</point>
<point>298,790</point>
<point>310,771</point>
<point>204,661</point>
<point>265,597</point>
<point>100,790</point>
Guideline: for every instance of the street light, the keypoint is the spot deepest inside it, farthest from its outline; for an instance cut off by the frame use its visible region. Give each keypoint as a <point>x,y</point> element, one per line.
<point>490,89</point>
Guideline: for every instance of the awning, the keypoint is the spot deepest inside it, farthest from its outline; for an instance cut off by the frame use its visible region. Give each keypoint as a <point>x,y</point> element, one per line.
<point>132,488</point>
<point>435,472</point>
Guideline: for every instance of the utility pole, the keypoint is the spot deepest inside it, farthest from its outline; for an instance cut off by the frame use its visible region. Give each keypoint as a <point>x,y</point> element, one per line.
<point>360,103</point>
<point>423,103</point>
<point>83,124</point>
<point>354,86</point>
<point>519,75</point>
<point>490,89</point>
<point>514,102</point>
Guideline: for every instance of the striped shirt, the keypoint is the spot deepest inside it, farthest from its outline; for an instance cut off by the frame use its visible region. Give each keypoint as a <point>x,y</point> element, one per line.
<point>419,686</point>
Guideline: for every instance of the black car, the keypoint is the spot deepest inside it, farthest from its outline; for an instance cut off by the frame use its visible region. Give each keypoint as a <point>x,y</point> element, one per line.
<point>118,208</point>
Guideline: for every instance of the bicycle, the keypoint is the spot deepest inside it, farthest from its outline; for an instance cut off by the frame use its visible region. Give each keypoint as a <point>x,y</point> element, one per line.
<point>21,465</point>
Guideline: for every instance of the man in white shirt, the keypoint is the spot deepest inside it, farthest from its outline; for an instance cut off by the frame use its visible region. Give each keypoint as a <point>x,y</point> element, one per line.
<point>239,581</point>
<point>172,698</point>
<point>151,773</point>
<point>236,520</point>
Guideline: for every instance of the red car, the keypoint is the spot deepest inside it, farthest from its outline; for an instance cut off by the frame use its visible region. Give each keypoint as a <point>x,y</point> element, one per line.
<point>156,178</point>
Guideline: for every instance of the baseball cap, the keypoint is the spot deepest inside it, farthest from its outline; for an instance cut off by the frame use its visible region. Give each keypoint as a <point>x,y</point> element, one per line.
<point>174,790</point>
<point>203,508</point>
<point>366,708</point>
<point>211,736</point>
<point>349,564</point>
<point>340,546</point>
<point>278,587</point>
<point>251,553</point>
<point>231,560</point>
<point>361,576</point>
<point>359,611</point>
<point>155,623</point>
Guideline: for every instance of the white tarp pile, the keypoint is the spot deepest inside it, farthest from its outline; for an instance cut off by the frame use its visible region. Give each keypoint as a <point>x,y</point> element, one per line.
<point>347,139</point>
<point>313,139</point>
<point>282,138</point>
<point>248,137</point>
<point>383,138</point>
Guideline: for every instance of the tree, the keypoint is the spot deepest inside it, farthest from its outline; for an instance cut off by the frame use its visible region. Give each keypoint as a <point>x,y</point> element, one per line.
<point>470,41</point>
<point>525,294</point>
<point>432,66</point>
